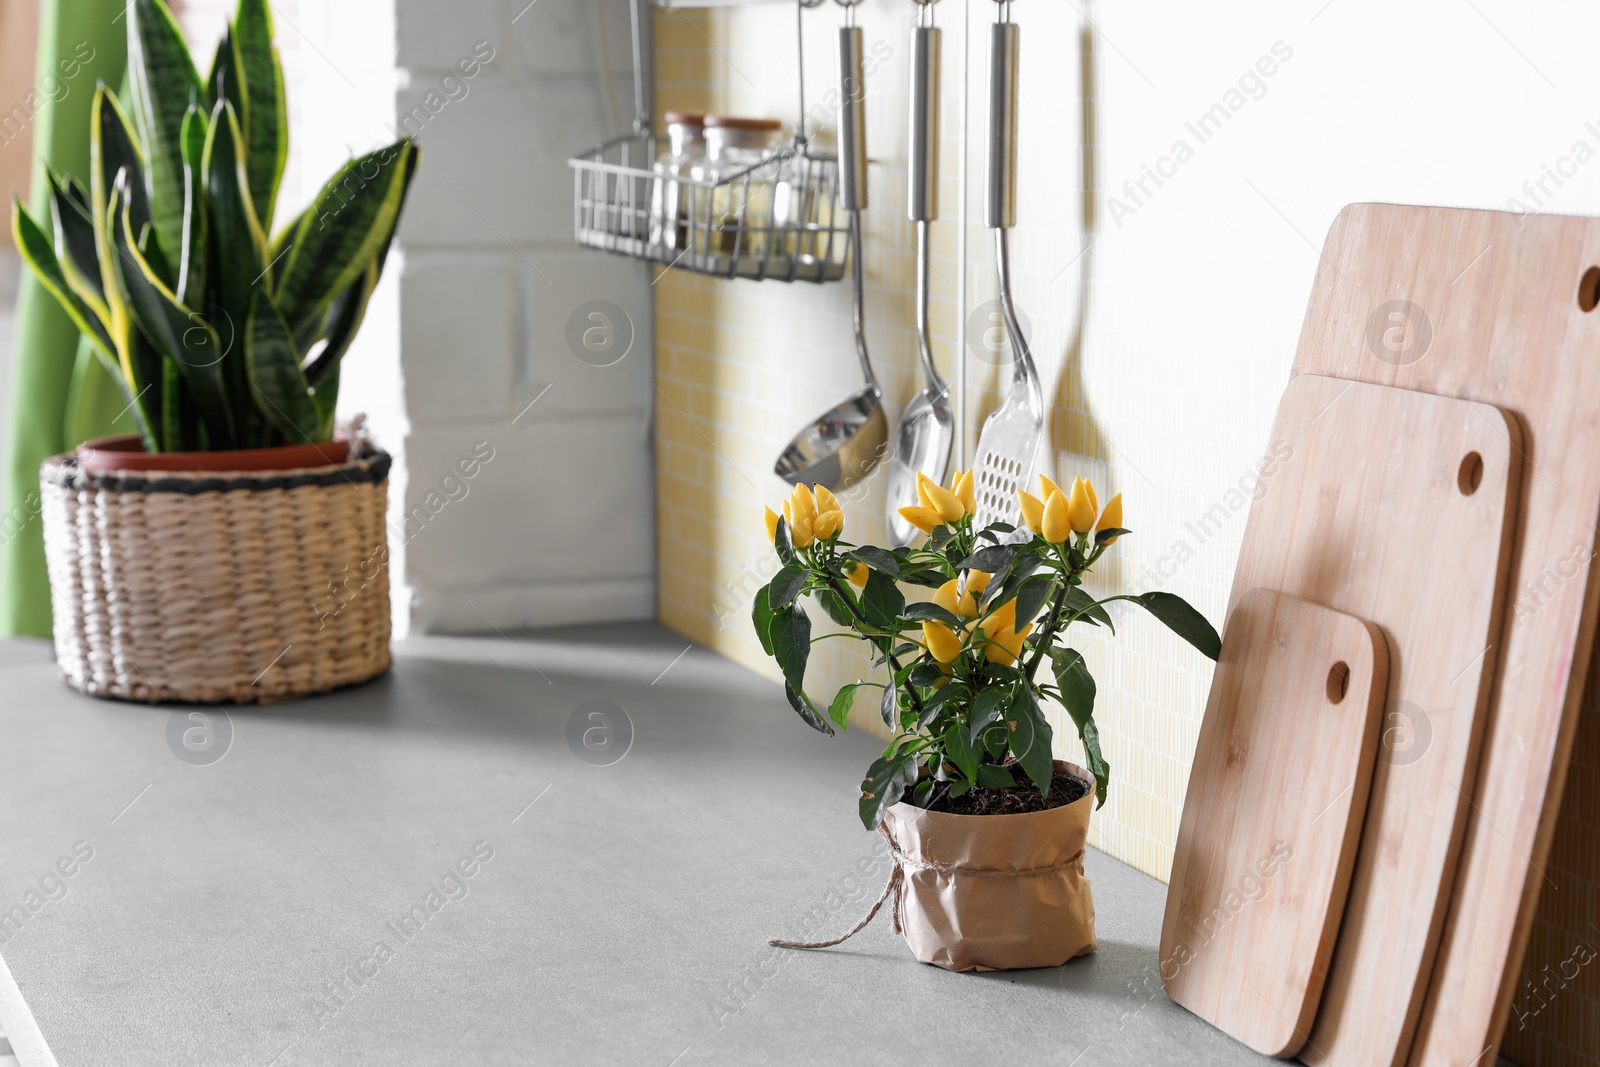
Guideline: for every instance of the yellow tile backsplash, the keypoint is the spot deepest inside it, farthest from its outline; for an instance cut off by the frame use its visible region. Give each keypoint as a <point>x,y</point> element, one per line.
<point>742,365</point>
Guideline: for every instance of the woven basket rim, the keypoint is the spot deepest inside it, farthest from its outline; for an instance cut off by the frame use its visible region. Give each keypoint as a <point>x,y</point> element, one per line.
<point>366,464</point>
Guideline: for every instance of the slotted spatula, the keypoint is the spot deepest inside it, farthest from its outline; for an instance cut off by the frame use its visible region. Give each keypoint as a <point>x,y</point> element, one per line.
<point>1011,434</point>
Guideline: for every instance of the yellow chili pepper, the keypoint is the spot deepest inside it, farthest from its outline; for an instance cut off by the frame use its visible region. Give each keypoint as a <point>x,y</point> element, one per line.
<point>1056,526</point>
<point>1032,510</point>
<point>1081,511</point>
<point>942,642</point>
<point>1111,518</point>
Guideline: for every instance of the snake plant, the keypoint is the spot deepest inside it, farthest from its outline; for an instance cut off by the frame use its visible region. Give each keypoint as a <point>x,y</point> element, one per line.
<point>221,337</point>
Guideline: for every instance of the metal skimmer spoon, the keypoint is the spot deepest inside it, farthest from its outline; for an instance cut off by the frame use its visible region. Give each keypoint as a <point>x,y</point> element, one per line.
<point>922,440</point>
<point>1011,435</point>
<point>845,443</point>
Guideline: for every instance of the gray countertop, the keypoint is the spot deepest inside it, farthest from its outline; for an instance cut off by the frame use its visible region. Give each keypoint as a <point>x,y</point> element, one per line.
<point>232,912</point>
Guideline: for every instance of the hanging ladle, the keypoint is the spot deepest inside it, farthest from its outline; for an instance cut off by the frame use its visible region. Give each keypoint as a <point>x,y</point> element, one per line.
<point>845,443</point>
<point>922,440</point>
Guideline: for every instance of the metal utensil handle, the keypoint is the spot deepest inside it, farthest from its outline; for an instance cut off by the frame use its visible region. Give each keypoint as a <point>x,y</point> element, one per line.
<point>1001,207</point>
<point>923,201</point>
<point>852,120</point>
<point>644,77</point>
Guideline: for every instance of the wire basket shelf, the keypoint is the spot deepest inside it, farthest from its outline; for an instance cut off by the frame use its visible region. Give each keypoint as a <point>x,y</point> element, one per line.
<point>776,219</point>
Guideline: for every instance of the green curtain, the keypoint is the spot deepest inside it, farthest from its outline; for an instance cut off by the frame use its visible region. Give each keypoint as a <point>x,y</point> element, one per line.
<point>60,394</point>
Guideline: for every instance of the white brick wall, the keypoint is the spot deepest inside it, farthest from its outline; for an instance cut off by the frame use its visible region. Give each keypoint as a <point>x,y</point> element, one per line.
<point>558,527</point>
<point>470,325</point>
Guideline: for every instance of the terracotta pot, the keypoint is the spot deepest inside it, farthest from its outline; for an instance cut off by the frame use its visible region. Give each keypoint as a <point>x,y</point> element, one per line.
<point>126,453</point>
<point>996,892</point>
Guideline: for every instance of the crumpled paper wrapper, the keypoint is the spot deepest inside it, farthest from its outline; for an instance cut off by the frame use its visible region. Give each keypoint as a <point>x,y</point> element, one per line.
<point>996,892</point>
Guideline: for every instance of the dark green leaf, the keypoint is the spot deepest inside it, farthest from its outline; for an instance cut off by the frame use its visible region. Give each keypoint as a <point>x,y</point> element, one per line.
<point>991,776</point>
<point>992,558</point>
<point>348,224</point>
<point>761,618</point>
<point>925,674</point>
<point>985,710</point>
<point>843,701</point>
<point>1090,736</point>
<point>164,82</point>
<point>178,333</point>
<point>791,643</point>
<point>40,255</point>
<point>807,710</point>
<point>225,82</point>
<point>882,602</point>
<point>927,610</point>
<point>1077,684</point>
<point>268,125</point>
<point>889,705</point>
<point>1182,619</point>
<point>1031,738</point>
<point>75,239</point>
<point>959,749</point>
<point>783,543</point>
<point>955,692</point>
<point>1107,534</point>
<point>192,268</point>
<point>1083,605</point>
<point>325,395</point>
<point>237,243</point>
<point>877,559</point>
<point>834,604</point>
<point>883,787</point>
<point>1031,597</point>
<point>279,387</point>
<point>113,150</point>
<point>786,585</point>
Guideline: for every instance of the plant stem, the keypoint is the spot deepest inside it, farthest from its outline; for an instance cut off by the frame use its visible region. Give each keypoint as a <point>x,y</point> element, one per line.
<point>888,642</point>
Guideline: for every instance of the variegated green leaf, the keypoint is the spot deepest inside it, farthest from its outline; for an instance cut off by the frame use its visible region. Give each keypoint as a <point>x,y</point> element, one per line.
<point>267,125</point>
<point>348,224</point>
<point>36,251</point>
<point>75,245</point>
<point>280,388</point>
<point>164,82</point>
<point>178,333</point>
<point>192,271</point>
<point>238,246</point>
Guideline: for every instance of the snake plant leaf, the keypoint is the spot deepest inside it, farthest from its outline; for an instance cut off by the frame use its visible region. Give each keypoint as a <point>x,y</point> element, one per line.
<point>347,311</point>
<point>348,223</point>
<point>344,321</point>
<point>192,271</point>
<point>226,82</point>
<point>36,250</point>
<point>325,395</point>
<point>75,246</point>
<point>113,148</point>
<point>267,124</point>
<point>237,244</point>
<point>163,81</point>
<point>279,386</point>
<point>178,333</point>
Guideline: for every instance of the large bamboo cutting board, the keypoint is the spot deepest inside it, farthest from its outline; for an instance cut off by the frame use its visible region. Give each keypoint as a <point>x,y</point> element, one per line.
<point>1495,308</point>
<point>1393,506</point>
<point>1273,817</point>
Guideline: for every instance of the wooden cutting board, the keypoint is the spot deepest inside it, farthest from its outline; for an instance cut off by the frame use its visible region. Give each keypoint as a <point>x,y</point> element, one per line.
<point>1393,506</point>
<point>1272,818</point>
<point>1496,308</point>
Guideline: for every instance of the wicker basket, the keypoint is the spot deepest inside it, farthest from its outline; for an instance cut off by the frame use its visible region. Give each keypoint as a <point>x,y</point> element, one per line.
<point>218,586</point>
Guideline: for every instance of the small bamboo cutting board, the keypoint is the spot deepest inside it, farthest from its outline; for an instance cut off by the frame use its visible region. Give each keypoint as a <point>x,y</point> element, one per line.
<point>1273,818</point>
<point>1395,507</point>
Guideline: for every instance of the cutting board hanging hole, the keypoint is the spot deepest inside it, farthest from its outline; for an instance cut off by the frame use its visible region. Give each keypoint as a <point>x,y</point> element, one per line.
<point>1589,289</point>
<point>1338,682</point>
<point>1470,476</point>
